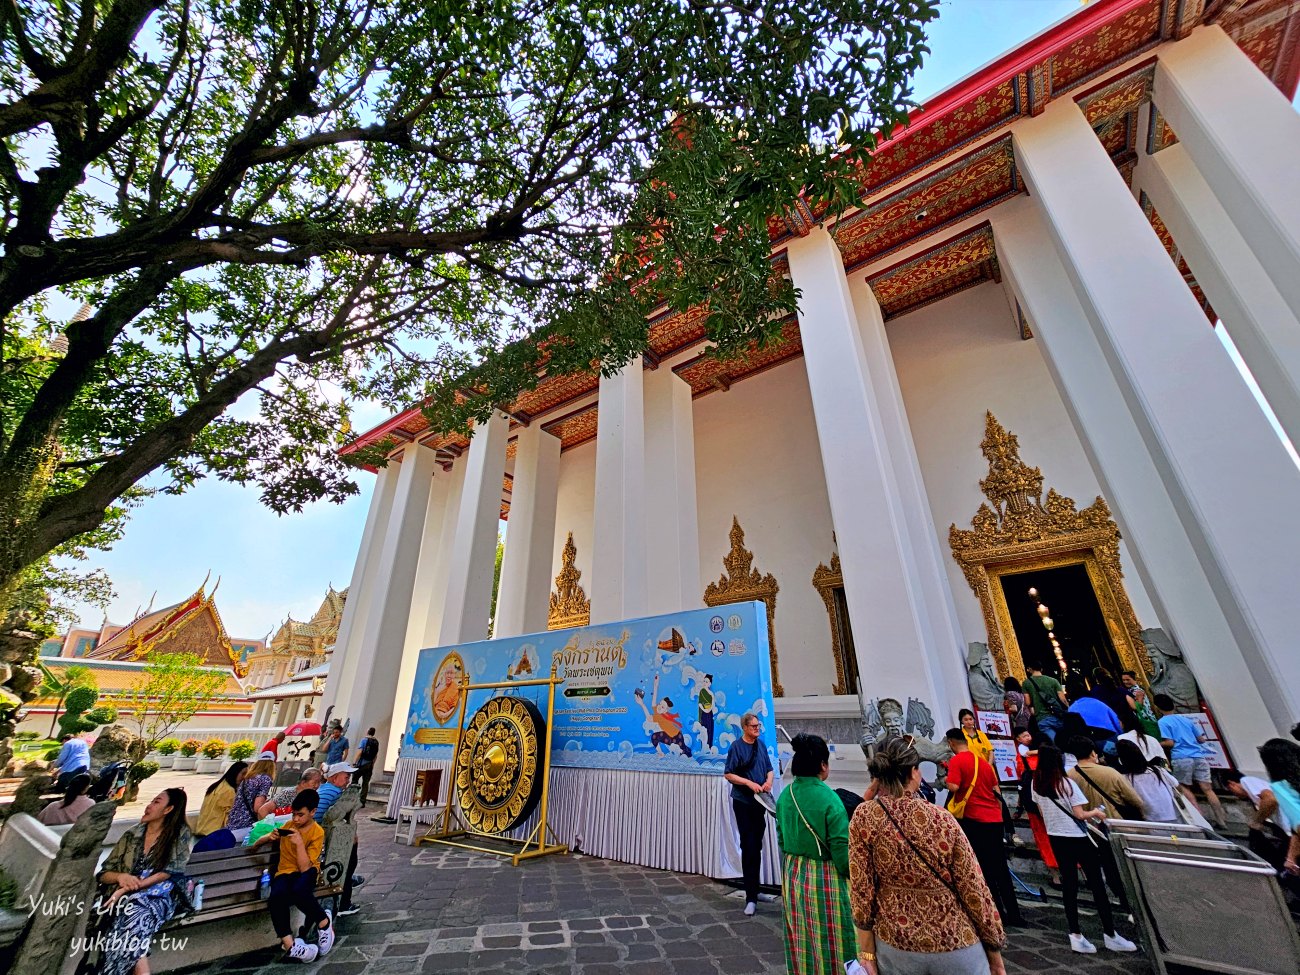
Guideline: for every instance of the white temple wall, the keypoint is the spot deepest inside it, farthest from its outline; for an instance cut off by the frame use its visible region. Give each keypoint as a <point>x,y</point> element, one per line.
<point>573,510</point>
<point>955,360</point>
<point>757,458</point>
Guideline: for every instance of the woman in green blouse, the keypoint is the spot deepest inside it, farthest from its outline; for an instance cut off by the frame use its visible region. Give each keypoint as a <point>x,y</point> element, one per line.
<point>812,829</point>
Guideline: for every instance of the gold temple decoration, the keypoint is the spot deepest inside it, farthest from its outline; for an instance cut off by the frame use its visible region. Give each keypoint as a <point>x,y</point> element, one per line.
<point>742,583</point>
<point>1023,532</point>
<point>569,603</point>
<point>826,579</point>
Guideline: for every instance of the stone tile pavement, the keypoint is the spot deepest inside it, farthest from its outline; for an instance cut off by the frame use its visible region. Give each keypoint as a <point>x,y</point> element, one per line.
<point>435,909</point>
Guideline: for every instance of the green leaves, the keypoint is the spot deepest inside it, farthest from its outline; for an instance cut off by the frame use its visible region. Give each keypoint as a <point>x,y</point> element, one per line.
<point>402,202</point>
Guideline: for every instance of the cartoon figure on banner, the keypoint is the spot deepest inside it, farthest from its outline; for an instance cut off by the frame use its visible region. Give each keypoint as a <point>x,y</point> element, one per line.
<point>707,708</point>
<point>667,725</point>
<point>445,692</point>
<point>524,666</point>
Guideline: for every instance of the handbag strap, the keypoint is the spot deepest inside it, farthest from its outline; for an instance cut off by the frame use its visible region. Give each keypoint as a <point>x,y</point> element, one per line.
<point>1116,805</point>
<point>975,776</point>
<point>951,887</point>
<point>795,799</point>
<point>1077,821</point>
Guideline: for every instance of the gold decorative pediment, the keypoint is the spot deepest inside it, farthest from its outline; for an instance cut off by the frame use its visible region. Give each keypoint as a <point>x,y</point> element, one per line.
<point>1017,528</point>
<point>742,583</point>
<point>569,603</point>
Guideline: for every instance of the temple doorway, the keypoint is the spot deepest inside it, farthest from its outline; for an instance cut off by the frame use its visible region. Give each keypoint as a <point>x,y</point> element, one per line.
<point>1066,595</point>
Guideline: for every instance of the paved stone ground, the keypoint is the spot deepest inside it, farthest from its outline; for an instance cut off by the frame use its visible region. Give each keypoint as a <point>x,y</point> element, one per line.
<point>435,909</point>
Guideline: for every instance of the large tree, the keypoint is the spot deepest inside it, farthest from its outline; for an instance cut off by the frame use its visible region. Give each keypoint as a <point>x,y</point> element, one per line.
<point>317,201</point>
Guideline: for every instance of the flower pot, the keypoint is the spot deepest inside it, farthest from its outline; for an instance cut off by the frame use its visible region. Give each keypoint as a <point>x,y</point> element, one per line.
<point>206,766</point>
<point>185,763</point>
<point>166,761</point>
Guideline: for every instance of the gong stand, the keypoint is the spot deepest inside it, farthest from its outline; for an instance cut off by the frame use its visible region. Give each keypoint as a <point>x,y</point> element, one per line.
<point>450,828</point>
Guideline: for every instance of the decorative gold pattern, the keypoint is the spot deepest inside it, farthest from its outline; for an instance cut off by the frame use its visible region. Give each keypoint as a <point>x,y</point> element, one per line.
<point>497,780</point>
<point>826,579</point>
<point>742,583</point>
<point>1119,97</point>
<point>1023,532</point>
<point>949,267</point>
<point>569,603</point>
<point>707,374</point>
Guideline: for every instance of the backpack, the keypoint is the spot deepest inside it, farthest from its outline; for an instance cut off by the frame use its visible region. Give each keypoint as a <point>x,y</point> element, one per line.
<point>369,751</point>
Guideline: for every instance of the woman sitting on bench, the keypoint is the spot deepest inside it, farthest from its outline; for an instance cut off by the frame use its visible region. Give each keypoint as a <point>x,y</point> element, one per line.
<point>140,868</point>
<point>294,885</point>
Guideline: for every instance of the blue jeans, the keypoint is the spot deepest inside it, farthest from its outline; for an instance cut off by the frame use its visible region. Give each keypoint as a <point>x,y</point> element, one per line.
<point>1049,725</point>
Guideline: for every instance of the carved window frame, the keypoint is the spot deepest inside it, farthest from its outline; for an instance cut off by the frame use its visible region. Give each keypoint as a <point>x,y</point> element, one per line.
<point>742,583</point>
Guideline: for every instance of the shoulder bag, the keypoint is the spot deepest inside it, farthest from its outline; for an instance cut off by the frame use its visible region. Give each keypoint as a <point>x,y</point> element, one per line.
<point>1096,835</point>
<point>958,806</point>
<point>807,824</point>
<point>1126,810</point>
<point>1050,701</point>
<point>949,884</point>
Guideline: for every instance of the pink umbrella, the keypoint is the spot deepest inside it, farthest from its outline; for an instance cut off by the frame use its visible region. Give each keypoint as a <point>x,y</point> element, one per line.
<point>302,729</point>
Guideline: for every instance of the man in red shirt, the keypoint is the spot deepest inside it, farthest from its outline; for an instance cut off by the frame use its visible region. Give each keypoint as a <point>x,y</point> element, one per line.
<point>975,781</point>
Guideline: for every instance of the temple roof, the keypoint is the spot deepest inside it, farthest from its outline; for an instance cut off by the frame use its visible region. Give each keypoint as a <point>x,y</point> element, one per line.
<point>191,626</point>
<point>926,182</point>
<point>323,624</point>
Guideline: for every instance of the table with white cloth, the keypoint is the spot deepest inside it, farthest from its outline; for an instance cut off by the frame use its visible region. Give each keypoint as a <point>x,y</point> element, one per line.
<point>667,821</point>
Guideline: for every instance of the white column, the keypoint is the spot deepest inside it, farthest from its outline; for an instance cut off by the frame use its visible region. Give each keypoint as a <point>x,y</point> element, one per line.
<point>671,509</point>
<point>907,643</point>
<point>370,698</point>
<point>1193,603</point>
<point>422,595</point>
<point>1256,316</point>
<point>1217,455</point>
<point>442,567</point>
<point>473,554</point>
<point>619,544</point>
<point>343,660</point>
<point>523,597</point>
<point>1244,137</point>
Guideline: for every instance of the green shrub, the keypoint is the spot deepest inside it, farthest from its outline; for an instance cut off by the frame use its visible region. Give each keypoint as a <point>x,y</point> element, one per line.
<point>190,747</point>
<point>27,736</point>
<point>168,746</point>
<point>141,771</point>
<point>242,749</point>
<point>52,753</point>
<point>214,748</point>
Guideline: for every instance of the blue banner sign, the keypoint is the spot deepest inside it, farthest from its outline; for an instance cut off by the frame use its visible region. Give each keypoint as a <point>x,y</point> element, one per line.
<point>660,694</point>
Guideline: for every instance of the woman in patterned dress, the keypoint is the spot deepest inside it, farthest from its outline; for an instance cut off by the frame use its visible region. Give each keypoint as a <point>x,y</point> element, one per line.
<point>139,895</point>
<point>919,901</point>
<point>812,830</point>
<point>252,797</point>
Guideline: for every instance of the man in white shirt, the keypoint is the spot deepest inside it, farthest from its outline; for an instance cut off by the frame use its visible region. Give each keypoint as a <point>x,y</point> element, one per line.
<point>1269,827</point>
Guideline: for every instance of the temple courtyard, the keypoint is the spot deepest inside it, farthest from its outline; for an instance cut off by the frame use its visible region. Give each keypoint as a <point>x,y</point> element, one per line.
<point>435,909</point>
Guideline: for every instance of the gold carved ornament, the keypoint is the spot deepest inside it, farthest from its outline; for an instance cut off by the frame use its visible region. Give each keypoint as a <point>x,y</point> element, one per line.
<point>1018,530</point>
<point>499,763</point>
<point>826,579</point>
<point>569,603</point>
<point>742,583</point>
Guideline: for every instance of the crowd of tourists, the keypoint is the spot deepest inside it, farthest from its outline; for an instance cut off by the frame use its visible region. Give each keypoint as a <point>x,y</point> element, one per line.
<point>889,881</point>
<point>142,881</point>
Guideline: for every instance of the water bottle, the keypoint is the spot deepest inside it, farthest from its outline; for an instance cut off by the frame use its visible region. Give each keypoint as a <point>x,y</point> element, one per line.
<point>196,898</point>
<point>264,885</point>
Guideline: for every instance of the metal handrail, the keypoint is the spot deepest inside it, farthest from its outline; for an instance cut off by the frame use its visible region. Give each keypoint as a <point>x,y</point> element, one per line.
<point>1236,866</point>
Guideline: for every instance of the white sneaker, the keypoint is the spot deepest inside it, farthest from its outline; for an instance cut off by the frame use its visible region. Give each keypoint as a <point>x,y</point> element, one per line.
<point>325,937</point>
<point>303,952</point>
<point>1082,945</point>
<point>750,908</point>
<point>1117,942</point>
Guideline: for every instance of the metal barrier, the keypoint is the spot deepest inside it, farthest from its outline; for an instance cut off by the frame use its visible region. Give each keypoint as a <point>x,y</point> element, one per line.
<point>1204,902</point>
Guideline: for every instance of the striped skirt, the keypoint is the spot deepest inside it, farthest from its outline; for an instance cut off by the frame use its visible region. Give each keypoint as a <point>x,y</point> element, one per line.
<point>819,936</point>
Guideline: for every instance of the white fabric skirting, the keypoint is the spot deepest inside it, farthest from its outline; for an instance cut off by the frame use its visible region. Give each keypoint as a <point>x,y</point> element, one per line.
<point>662,820</point>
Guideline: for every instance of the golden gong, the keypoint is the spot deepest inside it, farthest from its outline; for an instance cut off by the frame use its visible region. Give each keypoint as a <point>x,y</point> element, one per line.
<point>498,766</point>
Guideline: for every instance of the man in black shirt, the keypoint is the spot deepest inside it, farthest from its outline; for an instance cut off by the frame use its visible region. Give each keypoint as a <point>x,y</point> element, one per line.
<point>367,755</point>
<point>749,770</point>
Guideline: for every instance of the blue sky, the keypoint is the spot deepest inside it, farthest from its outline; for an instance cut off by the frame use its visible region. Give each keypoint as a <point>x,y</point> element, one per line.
<point>273,566</point>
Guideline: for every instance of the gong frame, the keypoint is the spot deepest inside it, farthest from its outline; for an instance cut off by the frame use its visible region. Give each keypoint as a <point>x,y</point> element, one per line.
<point>449,826</point>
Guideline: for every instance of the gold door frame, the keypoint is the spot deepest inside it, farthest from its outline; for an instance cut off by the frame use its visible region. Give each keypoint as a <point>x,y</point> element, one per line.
<point>1020,530</point>
<point>743,583</point>
<point>1113,607</point>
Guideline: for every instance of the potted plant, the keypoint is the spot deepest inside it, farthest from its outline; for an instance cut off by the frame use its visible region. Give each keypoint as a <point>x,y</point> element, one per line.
<point>213,751</point>
<point>189,748</point>
<point>242,750</point>
<point>167,749</point>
